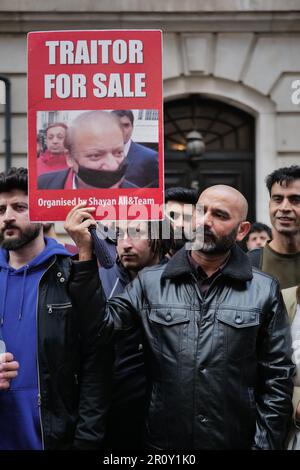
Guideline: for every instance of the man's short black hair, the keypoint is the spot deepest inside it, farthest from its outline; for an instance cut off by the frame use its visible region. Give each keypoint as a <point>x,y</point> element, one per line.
<point>14,178</point>
<point>259,227</point>
<point>124,113</point>
<point>283,175</point>
<point>158,243</point>
<point>179,194</point>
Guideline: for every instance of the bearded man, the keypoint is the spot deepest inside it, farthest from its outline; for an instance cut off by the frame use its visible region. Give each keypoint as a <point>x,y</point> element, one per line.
<point>215,334</point>
<point>57,398</point>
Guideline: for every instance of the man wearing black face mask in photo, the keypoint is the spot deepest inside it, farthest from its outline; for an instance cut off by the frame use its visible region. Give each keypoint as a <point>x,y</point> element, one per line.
<point>96,155</point>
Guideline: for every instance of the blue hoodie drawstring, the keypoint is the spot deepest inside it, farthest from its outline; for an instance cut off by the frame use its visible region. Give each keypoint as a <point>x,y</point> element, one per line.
<point>22,292</point>
<point>4,297</point>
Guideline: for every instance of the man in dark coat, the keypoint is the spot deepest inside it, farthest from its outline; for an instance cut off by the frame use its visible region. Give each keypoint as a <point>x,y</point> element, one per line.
<point>126,416</point>
<point>142,168</point>
<point>215,333</point>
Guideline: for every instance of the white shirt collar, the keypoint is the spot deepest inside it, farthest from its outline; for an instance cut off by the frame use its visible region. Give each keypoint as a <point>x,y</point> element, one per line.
<point>126,147</point>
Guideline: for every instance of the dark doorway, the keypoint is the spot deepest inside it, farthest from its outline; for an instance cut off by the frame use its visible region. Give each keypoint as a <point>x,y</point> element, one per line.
<point>228,133</point>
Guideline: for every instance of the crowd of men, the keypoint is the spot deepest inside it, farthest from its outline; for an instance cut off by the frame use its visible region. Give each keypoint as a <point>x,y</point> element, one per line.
<point>176,346</point>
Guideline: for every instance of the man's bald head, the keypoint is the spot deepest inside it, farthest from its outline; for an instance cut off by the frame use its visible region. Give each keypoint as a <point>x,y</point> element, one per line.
<point>96,150</point>
<point>231,197</point>
<point>221,220</point>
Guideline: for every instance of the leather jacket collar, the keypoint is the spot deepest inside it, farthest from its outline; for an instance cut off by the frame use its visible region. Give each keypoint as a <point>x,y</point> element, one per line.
<point>237,267</point>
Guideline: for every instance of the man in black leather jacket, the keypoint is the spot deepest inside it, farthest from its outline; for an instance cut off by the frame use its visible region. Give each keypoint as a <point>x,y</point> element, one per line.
<point>216,336</point>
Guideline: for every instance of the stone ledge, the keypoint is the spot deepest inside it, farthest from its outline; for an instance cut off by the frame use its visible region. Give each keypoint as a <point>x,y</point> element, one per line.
<point>12,22</point>
<point>149,6</point>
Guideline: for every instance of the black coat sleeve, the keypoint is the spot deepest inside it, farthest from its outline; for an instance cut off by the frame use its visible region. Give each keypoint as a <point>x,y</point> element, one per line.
<point>87,294</point>
<point>96,360</point>
<point>275,375</point>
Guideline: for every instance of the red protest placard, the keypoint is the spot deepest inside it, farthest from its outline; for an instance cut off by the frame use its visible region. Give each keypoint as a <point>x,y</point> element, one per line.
<point>95,123</point>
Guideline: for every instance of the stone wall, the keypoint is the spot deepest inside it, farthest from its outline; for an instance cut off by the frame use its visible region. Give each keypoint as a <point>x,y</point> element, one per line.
<point>243,52</point>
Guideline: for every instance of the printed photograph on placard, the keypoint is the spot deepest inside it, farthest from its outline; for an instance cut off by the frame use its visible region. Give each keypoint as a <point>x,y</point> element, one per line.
<point>97,149</point>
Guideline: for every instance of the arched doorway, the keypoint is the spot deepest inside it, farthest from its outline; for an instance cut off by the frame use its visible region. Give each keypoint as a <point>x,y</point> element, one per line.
<point>228,133</point>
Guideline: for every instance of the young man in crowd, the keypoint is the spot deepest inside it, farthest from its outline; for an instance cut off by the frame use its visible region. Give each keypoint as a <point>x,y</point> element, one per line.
<point>258,236</point>
<point>281,256</point>
<point>135,251</point>
<point>59,397</point>
<point>180,207</point>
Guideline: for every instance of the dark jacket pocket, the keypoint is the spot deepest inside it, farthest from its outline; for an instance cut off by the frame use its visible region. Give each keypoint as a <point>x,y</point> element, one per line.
<point>238,327</point>
<point>170,329</point>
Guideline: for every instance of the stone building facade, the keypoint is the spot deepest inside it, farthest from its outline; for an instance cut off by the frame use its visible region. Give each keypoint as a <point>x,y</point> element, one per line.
<point>241,54</point>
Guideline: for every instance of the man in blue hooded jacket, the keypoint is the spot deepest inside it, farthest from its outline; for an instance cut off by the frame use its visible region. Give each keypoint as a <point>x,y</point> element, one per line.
<point>58,398</point>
